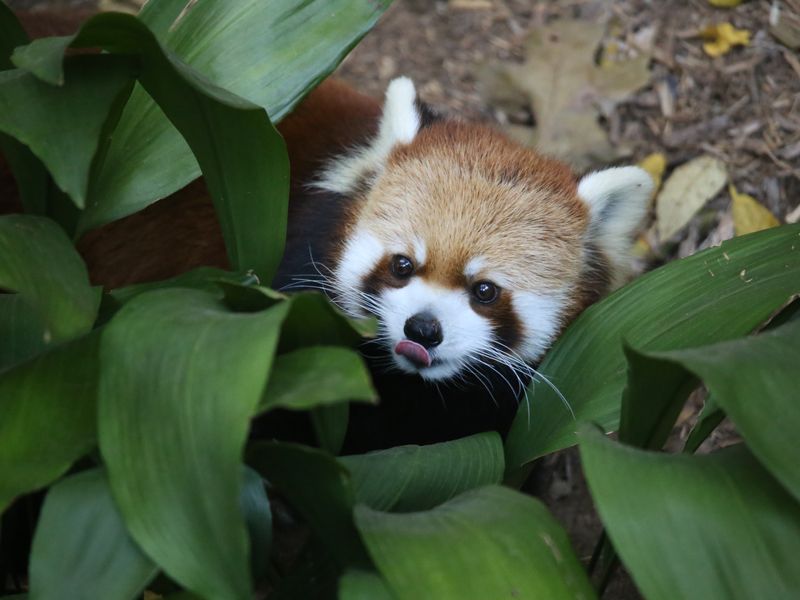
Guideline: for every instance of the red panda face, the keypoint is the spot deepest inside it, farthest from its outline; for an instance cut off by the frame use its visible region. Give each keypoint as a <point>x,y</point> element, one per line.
<point>471,250</point>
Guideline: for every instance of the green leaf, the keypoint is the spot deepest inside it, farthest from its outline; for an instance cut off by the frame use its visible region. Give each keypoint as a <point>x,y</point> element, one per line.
<point>39,262</point>
<point>81,548</point>
<point>710,527</point>
<point>315,321</point>
<point>318,488</point>
<point>718,294</point>
<point>272,53</point>
<point>181,378</point>
<point>48,415</point>
<point>709,417</point>
<point>31,176</point>
<point>491,542</point>
<point>207,279</point>
<point>22,331</point>
<point>258,519</point>
<point>66,125</point>
<point>318,376</point>
<point>409,478</point>
<point>159,16</point>
<point>330,426</point>
<point>242,157</point>
<point>363,585</point>
<point>652,400</point>
<point>755,380</point>
<point>11,35</point>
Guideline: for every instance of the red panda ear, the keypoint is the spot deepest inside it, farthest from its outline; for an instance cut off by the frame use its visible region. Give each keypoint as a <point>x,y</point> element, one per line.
<point>400,122</point>
<point>401,117</point>
<point>618,200</point>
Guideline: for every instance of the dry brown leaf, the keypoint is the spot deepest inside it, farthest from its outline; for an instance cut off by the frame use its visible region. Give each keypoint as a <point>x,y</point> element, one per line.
<point>722,37</point>
<point>749,215</point>
<point>686,191</point>
<point>785,26</point>
<point>569,90</point>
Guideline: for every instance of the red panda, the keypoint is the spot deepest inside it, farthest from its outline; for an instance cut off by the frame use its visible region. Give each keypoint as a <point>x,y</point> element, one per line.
<point>473,251</point>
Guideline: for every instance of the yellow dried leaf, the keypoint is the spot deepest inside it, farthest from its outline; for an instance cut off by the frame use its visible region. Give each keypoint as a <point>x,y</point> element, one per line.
<point>654,164</point>
<point>686,191</point>
<point>722,37</point>
<point>724,3</point>
<point>749,214</point>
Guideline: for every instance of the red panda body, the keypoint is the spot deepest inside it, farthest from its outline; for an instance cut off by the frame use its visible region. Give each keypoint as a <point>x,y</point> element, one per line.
<point>472,251</point>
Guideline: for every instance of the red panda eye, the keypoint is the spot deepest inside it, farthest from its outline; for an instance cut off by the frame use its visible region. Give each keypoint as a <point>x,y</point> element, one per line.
<point>485,292</point>
<point>402,266</point>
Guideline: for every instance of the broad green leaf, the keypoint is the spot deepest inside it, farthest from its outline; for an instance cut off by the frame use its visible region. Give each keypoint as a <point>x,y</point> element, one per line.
<point>718,294</point>
<point>32,178</point>
<point>81,548</point>
<point>319,489</point>
<point>272,53</point>
<point>258,518</point>
<point>39,262</point>
<point>48,416</point>
<point>22,331</point>
<point>207,279</point>
<point>243,158</point>
<point>756,381</point>
<point>317,376</point>
<point>30,174</point>
<point>180,380</point>
<point>491,542</point>
<point>652,400</point>
<point>409,478</point>
<point>330,426</point>
<point>159,16</point>
<point>315,321</point>
<point>706,527</point>
<point>66,125</point>
<point>363,585</point>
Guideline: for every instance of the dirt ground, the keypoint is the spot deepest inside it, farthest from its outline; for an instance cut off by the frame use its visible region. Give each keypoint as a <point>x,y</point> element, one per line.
<point>742,107</point>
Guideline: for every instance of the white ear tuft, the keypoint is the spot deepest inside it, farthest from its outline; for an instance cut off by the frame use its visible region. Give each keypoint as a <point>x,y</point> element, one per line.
<point>618,200</point>
<point>401,119</point>
<point>399,124</point>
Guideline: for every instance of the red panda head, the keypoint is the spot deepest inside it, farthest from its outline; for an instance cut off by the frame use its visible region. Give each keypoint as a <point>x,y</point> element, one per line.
<point>469,248</point>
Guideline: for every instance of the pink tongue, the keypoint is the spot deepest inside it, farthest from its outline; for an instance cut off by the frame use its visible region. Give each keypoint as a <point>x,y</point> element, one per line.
<point>414,352</point>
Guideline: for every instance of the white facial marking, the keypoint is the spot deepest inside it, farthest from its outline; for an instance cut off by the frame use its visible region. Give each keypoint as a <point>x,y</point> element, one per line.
<point>399,125</point>
<point>464,332</point>
<point>420,252</point>
<point>540,317</point>
<point>474,266</point>
<point>360,255</point>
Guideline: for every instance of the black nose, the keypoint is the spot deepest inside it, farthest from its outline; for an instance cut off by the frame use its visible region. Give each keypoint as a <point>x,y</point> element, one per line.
<point>424,329</point>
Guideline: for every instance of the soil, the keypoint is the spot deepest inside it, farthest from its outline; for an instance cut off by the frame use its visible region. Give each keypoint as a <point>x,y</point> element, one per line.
<point>743,107</point>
